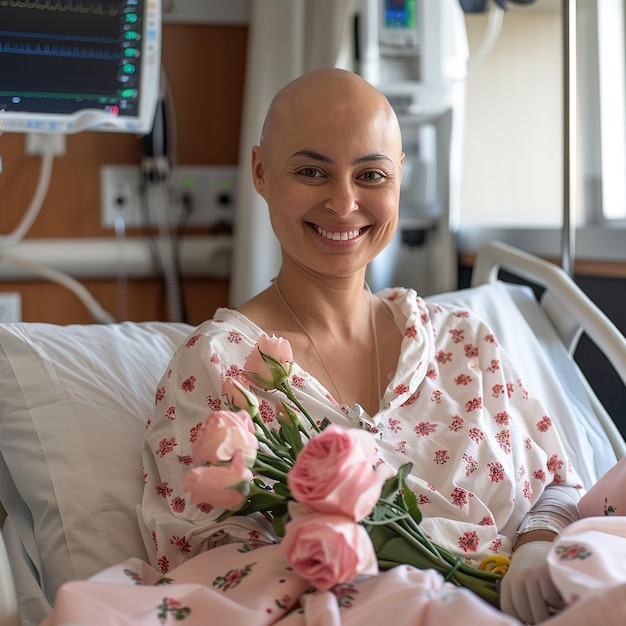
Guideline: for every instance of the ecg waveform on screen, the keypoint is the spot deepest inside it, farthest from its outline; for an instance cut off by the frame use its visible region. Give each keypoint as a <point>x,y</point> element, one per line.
<point>56,50</point>
<point>63,56</point>
<point>76,97</point>
<point>112,7</point>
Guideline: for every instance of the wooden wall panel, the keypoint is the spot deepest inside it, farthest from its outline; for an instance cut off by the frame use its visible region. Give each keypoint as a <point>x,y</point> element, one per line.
<point>49,302</point>
<point>205,68</point>
<point>207,65</point>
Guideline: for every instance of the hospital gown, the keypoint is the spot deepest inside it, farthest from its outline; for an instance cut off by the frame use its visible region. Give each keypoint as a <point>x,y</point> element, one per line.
<point>483,448</point>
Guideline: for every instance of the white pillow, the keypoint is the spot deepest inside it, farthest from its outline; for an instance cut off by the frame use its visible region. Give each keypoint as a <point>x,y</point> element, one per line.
<point>73,406</point>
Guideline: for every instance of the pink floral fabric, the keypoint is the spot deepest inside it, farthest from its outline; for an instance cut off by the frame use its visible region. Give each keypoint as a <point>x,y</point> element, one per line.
<point>248,585</point>
<point>589,556</point>
<point>483,448</point>
<point>254,587</point>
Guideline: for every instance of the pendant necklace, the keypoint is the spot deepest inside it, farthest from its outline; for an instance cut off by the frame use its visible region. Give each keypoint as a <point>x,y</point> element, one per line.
<point>356,412</point>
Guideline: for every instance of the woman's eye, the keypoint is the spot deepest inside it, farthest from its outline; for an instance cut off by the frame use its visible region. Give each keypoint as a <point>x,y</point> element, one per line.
<point>373,176</point>
<point>310,172</point>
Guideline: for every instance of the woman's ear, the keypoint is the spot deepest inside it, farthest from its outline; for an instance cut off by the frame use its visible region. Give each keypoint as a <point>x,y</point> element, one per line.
<point>258,170</point>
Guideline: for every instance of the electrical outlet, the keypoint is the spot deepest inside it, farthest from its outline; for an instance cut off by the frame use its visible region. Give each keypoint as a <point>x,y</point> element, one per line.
<point>194,196</point>
<point>42,143</point>
<point>10,307</point>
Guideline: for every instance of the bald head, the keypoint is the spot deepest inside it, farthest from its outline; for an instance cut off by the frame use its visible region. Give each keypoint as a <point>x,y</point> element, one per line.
<point>330,157</point>
<point>327,95</point>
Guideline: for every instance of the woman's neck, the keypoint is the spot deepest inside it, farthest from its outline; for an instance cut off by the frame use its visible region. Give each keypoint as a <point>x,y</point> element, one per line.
<point>330,352</point>
<point>339,333</point>
<point>334,307</point>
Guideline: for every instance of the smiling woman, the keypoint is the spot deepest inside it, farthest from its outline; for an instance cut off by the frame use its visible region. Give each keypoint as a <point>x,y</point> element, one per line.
<point>332,186</point>
<point>429,382</point>
<point>337,175</point>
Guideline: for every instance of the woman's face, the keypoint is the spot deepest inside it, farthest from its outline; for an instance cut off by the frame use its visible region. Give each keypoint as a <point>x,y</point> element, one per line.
<point>330,172</point>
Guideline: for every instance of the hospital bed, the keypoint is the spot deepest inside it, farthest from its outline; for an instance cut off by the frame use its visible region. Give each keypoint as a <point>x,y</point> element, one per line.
<point>74,401</point>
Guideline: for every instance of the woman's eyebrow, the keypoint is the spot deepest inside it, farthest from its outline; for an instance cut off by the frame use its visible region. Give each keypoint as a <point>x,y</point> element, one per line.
<point>376,156</point>
<point>311,154</point>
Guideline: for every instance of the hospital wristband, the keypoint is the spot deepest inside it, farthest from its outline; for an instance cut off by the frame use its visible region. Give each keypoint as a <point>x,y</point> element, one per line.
<point>534,521</point>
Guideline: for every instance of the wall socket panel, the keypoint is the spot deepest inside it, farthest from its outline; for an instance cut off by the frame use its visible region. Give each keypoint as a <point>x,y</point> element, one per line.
<point>192,195</point>
<point>10,307</point>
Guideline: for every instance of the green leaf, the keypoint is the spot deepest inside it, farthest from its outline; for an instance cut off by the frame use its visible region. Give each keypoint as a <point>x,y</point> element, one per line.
<point>399,551</point>
<point>394,484</point>
<point>324,423</point>
<point>261,503</point>
<point>282,490</point>
<point>411,503</point>
<point>290,431</point>
<point>379,536</point>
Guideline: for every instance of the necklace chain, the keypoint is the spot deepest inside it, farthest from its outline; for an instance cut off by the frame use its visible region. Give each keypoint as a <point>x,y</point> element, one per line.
<point>317,352</point>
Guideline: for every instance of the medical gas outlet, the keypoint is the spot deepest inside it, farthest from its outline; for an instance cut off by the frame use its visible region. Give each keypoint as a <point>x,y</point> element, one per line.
<point>192,196</point>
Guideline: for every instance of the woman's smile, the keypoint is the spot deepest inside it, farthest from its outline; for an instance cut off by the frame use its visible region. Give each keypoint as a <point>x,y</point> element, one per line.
<point>334,234</point>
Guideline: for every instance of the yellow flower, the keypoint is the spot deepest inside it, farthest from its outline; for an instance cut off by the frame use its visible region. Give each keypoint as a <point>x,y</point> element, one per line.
<point>496,564</point>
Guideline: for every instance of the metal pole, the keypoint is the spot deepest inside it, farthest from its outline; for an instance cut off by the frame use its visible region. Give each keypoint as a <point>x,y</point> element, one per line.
<point>568,235</point>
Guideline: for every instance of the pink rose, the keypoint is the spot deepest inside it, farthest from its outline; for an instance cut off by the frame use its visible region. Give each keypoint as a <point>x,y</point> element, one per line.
<point>269,363</point>
<point>222,434</point>
<point>220,485</point>
<point>237,395</point>
<point>328,549</point>
<point>334,473</point>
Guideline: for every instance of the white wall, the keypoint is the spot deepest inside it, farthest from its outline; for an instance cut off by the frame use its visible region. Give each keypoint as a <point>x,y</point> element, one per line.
<point>512,162</point>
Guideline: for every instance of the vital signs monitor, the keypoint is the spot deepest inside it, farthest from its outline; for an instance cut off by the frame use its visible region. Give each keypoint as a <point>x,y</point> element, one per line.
<point>79,65</point>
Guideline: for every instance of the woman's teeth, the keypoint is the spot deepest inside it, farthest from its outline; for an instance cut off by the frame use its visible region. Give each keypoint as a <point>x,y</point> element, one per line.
<point>336,236</point>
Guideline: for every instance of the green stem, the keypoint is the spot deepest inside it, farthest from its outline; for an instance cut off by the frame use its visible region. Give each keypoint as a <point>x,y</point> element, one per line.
<point>280,452</point>
<point>286,389</point>
<point>282,465</point>
<point>385,521</point>
<point>450,558</point>
<point>271,439</point>
<point>455,572</point>
<point>270,495</point>
<point>269,471</point>
<point>415,527</point>
<point>425,550</point>
<point>258,420</point>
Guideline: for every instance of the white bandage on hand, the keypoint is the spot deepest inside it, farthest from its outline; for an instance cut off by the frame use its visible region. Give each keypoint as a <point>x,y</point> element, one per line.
<point>526,590</point>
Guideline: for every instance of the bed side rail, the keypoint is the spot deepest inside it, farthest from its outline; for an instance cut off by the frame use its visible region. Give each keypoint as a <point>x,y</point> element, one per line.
<point>569,309</point>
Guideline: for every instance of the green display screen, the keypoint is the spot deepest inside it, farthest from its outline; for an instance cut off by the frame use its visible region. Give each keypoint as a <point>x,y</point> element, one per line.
<point>400,13</point>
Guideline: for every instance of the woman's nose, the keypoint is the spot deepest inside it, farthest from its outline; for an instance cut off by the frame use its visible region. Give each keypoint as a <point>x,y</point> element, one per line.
<point>343,199</point>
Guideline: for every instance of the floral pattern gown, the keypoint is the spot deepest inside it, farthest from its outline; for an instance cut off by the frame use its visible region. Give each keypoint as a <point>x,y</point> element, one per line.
<point>483,450</point>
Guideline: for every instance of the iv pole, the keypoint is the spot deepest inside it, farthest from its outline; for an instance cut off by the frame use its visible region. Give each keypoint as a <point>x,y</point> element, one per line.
<point>568,236</point>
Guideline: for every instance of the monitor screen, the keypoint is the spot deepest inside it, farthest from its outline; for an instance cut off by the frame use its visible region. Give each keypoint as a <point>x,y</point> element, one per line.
<point>73,65</point>
<point>399,26</point>
<point>400,14</point>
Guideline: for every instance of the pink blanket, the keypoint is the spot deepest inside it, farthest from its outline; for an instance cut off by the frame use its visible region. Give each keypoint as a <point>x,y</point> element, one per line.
<point>235,585</point>
<point>247,585</point>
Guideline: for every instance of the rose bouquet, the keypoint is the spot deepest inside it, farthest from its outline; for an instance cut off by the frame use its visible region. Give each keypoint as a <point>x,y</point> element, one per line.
<point>339,516</point>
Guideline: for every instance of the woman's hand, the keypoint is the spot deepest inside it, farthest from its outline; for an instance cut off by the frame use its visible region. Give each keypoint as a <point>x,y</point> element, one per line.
<point>527,591</point>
